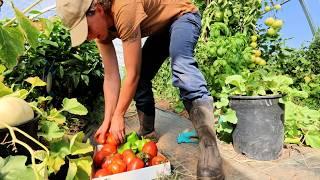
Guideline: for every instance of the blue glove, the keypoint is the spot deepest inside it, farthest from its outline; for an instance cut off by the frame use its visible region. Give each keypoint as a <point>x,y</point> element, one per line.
<point>187,137</point>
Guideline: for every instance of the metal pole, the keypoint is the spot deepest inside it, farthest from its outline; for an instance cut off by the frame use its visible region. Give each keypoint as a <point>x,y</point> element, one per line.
<point>307,14</point>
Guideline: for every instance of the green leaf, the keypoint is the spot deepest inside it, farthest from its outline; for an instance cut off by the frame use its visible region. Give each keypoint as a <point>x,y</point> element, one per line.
<point>72,171</point>
<point>55,163</point>
<point>313,139</point>
<point>50,130</point>
<point>84,167</point>
<point>14,168</point>
<point>22,93</point>
<point>230,116</point>
<point>2,68</point>
<point>77,146</point>
<point>60,148</point>
<point>236,80</point>
<point>85,78</point>
<point>77,56</point>
<point>31,33</point>
<point>43,99</point>
<point>56,116</point>
<point>73,106</point>
<point>54,44</point>
<point>4,90</point>
<point>48,26</point>
<point>11,45</point>
<point>224,127</point>
<point>35,81</point>
<point>224,101</point>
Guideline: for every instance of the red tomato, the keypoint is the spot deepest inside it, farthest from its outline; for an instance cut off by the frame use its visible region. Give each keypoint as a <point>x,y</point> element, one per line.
<point>127,152</point>
<point>102,172</point>
<point>128,158</point>
<point>158,160</point>
<point>110,140</point>
<point>99,139</point>
<point>117,166</point>
<point>136,163</point>
<point>108,160</point>
<point>109,149</point>
<point>99,158</point>
<point>150,148</point>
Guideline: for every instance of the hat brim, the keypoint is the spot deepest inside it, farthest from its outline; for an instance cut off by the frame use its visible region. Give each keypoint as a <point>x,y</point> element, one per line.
<point>79,33</point>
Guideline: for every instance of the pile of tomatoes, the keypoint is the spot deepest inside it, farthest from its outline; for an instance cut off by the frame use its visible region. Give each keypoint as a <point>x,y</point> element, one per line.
<point>108,160</point>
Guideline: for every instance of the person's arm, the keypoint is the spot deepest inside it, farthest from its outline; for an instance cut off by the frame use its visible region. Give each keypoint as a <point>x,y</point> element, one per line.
<point>111,84</point>
<point>132,59</point>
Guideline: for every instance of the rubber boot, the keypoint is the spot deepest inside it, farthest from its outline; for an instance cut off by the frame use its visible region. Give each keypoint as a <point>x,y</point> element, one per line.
<point>147,126</point>
<point>210,162</point>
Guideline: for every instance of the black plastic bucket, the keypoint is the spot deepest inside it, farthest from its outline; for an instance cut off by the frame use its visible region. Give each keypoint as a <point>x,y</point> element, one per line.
<point>259,133</point>
<point>31,128</point>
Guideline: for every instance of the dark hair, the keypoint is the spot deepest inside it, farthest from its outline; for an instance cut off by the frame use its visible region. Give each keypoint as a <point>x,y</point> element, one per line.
<point>106,4</point>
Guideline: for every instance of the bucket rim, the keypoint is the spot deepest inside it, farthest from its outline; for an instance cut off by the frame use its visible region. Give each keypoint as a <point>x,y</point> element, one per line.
<point>276,96</point>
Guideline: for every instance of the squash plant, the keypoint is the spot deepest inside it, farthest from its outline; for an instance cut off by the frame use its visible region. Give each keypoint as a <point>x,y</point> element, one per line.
<point>62,148</point>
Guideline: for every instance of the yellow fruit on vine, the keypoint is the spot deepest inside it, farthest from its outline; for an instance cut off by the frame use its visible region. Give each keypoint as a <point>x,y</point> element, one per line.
<point>263,62</point>
<point>269,21</point>
<point>267,8</point>
<point>307,79</point>
<point>277,6</point>
<point>253,44</point>
<point>260,61</point>
<point>257,53</point>
<point>271,32</point>
<point>277,24</point>
<point>254,38</point>
<point>253,58</point>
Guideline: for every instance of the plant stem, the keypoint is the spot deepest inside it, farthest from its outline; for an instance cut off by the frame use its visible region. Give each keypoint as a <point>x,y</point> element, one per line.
<point>15,140</point>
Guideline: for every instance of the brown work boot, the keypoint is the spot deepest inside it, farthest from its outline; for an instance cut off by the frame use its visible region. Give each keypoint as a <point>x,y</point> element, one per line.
<point>210,162</point>
<point>147,126</point>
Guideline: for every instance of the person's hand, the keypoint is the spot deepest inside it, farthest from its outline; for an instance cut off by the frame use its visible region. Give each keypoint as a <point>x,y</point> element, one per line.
<point>117,128</point>
<point>101,133</point>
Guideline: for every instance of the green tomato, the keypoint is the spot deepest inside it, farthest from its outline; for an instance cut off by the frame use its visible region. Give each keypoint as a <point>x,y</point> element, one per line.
<point>271,32</point>
<point>269,21</point>
<point>221,51</point>
<point>277,6</point>
<point>252,65</point>
<point>257,53</point>
<point>218,16</point>
<point>267,8</point>
<point>307,79</point>
<point>213,51</point>
<point>254,45</point>
<point>254,38</point>
<point>277,24</point>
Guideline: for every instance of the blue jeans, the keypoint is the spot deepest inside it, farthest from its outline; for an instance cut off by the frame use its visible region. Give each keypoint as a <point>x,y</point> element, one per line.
<point>178,41</point>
